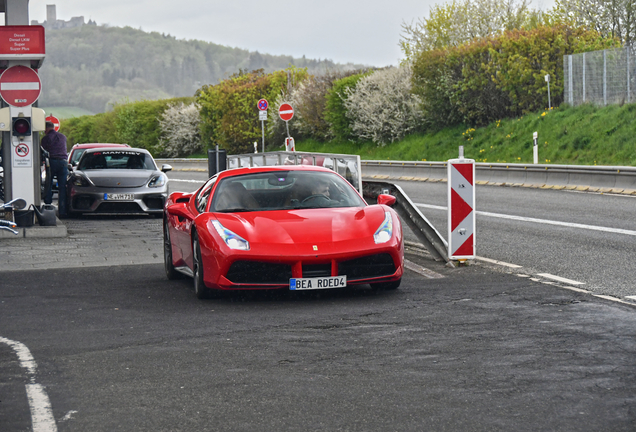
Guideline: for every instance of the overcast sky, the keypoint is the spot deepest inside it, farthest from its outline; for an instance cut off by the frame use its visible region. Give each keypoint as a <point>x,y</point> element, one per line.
<point>356,31</point>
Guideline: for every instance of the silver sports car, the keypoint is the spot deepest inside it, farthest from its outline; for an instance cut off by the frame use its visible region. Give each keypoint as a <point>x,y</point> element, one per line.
<point>114,181</point>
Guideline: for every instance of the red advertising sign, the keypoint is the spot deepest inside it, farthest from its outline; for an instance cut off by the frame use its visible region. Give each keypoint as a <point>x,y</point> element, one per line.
<point>20,86</point>
<point>56,122</point>
<point>24,41</point>
<point>286,112</point>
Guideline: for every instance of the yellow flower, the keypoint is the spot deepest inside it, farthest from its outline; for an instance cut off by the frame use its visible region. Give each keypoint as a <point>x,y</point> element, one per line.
<point>543,114</point>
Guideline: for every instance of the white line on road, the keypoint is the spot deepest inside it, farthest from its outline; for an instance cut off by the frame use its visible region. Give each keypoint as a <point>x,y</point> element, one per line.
<point>41,413</point>
<point>421,270</point>
<point>560,279</point>
<point>542,221</point>
<point>187,181</point>
<point>502,263</point>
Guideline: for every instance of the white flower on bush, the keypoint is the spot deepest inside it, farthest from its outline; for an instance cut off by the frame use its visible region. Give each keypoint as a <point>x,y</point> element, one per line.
<point>381,106</point>
<point>180,130</point>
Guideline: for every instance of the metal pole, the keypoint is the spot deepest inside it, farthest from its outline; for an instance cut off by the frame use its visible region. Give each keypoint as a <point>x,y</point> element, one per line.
<point>535,148</point>
<point>604,77</point>
<point>628,89</point>
<point>583,77</point>
<point>217,159</point>
<point>263,132</point>
<point>287,124</point>
<point>549,103</point>
<point>571,97</point>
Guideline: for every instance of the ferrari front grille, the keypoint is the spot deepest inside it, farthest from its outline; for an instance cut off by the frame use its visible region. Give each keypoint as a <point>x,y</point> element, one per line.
<point>367,267</point>
<point>257,272</point>
<point>316,270</point>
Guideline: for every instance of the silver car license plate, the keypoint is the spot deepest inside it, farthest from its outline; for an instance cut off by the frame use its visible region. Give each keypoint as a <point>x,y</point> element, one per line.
<point>119,197</point>
<point>298,284</point>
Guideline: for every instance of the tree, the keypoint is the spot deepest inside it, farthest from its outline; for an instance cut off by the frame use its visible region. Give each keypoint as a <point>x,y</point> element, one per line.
<point>461,21</point>
<point>180,130</point>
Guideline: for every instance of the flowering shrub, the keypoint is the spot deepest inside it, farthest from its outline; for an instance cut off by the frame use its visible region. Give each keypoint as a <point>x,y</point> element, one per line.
<point>382,108</point>
<point>180,130</point>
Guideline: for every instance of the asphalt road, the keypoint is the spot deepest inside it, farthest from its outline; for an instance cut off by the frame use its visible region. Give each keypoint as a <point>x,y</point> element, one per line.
<point>122,348</point>
<point>602,261</point>
<point>482,348</point>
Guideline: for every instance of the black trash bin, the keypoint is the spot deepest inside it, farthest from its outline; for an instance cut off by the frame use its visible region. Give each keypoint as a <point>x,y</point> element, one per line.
<point>212,168</point>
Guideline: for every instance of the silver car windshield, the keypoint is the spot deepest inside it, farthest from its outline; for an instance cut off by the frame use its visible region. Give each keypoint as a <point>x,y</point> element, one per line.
<point>284,190</point>
<point>116,159</point>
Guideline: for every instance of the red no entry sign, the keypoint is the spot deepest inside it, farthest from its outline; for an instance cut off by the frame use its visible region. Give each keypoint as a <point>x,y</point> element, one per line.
<point>20,86</point>
<point>56,123</point>
<point>286,112</point>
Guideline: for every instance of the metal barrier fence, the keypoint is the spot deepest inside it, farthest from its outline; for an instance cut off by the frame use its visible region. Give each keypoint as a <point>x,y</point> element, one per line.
<point>600,77</point>
<point>347,166</point>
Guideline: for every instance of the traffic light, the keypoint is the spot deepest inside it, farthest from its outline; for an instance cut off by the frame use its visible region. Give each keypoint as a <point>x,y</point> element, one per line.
<point>21,126</point>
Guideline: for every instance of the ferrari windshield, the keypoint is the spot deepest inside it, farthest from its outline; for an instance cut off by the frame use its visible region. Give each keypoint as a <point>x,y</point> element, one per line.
<point>116,159</point>
<point>284,190</point>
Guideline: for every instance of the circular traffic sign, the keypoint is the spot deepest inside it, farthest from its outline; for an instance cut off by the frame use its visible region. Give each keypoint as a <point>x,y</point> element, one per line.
<point>286,112</point>
<point>22,150</point>
<point>20,86</point>
<point>56,123</point>
<point>263,104</point>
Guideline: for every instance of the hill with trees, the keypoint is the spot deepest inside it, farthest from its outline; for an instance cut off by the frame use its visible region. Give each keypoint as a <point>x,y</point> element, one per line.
<point>94,67</point>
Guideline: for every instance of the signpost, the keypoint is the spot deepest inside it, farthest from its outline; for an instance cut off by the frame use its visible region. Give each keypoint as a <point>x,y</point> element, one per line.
<point>286,113</point>
<point>262,116</point>
<point>20,86</point>
<point>56,123</point>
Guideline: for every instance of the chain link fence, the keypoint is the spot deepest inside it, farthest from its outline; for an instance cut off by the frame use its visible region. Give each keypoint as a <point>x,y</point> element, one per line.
<point>600,77</point>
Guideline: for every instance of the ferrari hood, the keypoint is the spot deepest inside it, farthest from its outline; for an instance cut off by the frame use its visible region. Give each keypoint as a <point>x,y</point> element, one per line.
<point>119,177</point>
<point>308,226</point>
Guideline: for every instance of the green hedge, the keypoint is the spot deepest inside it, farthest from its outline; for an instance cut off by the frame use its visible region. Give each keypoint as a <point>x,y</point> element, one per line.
<point>335,112</point>
<point>498,77</point>
<point>135,123</point>
<point>229,112</point>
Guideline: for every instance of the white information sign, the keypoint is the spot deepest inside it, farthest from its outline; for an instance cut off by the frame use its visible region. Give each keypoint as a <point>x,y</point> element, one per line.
<point>22,154</point>
<point>262,115</point>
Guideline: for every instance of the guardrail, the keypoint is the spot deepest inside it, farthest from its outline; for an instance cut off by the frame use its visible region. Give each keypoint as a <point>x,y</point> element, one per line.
<point>613,178</point>
<point>618,179</point>
<point>409,213</point>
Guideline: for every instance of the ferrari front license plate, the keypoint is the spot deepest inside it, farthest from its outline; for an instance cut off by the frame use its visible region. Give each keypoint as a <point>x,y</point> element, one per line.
<point>119,197</point>
<point>318,283</point>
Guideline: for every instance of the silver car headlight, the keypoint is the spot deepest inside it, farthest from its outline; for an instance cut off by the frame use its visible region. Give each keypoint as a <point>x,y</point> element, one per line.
<point>80,180</point>
<point>232,240</point>
<point>385,232</point>
<point>157,181</point>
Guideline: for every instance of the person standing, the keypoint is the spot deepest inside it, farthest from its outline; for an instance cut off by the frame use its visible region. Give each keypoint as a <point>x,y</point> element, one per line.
<point>55,143</point>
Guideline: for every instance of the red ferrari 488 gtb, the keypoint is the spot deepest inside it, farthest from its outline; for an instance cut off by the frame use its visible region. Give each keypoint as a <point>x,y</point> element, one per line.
<point>292,227</point>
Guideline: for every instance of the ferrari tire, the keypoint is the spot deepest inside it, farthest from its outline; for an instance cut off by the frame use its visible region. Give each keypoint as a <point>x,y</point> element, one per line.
<point>171,272</point>
<point>201,291</point>
<point>387,286</point>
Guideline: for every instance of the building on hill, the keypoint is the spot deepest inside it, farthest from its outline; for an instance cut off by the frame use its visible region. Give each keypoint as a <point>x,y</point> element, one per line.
<point>52,22</point>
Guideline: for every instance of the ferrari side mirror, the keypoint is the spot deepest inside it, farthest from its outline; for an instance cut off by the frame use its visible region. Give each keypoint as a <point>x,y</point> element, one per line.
<point>388,200</point>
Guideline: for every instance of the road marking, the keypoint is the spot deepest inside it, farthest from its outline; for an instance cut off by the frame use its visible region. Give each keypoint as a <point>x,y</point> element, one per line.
<point>631,297</point>
<point>542,221</point>
<point>560,279</point>
<point>492,261</point>
<point>41,413</point>
<point>187,181</point>
<point>430,274</point>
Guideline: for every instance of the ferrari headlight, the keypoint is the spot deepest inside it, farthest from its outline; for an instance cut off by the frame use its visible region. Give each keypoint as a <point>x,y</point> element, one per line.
<point>157,181</point>
<point>385,232</point>
<point>233,241</point>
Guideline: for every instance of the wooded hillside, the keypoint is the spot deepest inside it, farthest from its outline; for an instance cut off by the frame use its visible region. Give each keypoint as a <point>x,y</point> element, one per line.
<point>94,67</point>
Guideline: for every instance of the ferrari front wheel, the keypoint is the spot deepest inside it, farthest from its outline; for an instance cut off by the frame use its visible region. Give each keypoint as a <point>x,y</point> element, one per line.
<point>171,272</point>
<point>387,285</point>
<point>201,291</point>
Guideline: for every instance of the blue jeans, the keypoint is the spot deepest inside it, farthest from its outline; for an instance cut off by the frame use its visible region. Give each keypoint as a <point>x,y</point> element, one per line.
<point>59,169</point>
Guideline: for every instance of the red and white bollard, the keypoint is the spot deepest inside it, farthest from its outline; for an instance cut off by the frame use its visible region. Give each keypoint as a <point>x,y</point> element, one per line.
<point>461,209</point>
